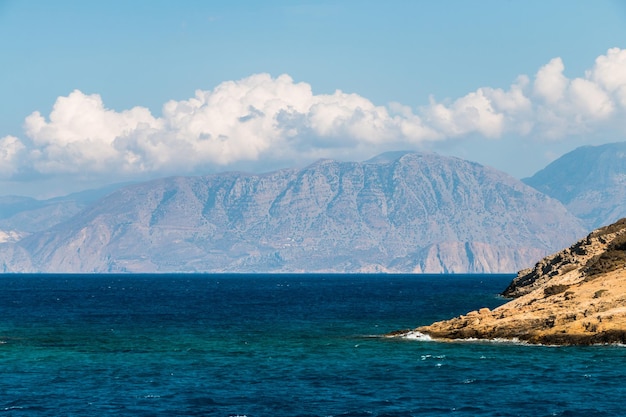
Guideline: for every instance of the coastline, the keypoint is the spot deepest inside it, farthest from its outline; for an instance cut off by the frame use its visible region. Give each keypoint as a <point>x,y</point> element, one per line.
<point>574,297</point>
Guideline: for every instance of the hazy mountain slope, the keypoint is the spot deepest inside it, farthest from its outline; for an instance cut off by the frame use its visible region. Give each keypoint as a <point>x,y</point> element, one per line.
<point>21,216</point>
<point>590,181</point>
<point>397,212</point>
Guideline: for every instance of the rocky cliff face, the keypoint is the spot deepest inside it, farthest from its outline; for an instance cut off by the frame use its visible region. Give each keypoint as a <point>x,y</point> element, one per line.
<point>576,296</point>
<point>590,181</point>
<point>597,253</point>
<point>398,212</point>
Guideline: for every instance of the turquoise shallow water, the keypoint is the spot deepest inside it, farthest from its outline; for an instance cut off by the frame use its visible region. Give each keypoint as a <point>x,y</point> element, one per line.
<point>278,345</point>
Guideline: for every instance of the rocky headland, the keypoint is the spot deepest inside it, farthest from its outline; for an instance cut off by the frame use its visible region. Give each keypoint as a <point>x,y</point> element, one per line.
<point>574,297</point>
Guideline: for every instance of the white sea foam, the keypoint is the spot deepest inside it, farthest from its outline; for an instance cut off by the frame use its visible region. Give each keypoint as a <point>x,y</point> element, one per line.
<point>415,335</point>
<point>511,341</point>
<point>426,357</point>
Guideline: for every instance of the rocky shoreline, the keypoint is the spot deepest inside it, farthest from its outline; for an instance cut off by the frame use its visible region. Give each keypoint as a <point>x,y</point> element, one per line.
<point>574,297</point>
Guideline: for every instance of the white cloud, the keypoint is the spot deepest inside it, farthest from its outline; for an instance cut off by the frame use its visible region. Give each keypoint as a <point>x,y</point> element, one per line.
<point>608,69</point>
<point>11,149</point>
<point>81,133</point>
<point>261,118</point>
<point>609,72</point>
<point>550,83</point>
<point>472,113</point>
<point>581,105</point>
<point>246,120</point>
<point>551,106</point>
<point>590,100</point>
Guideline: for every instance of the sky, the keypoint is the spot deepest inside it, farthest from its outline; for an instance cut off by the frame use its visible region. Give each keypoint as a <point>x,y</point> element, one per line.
<point>95,93</point>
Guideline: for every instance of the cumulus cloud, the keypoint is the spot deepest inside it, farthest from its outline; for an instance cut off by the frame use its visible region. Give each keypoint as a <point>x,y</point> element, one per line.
<point>550,106</point>
<point>81,134</point>
<point>550,83</point>
<point>570,106</point>
<point>609,72</point>
<point>246,120</point>
<point>265,118</point>
<point>473,113</point>
<point>11,149</point>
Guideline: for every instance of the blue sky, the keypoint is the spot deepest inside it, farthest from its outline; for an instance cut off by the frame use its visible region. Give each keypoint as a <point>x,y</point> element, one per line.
<point>99,92</point>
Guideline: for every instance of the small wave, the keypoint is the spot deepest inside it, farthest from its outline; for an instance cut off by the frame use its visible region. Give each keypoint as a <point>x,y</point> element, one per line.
<point>497,340</point>
<point>415,335</point>
<point>517,341</point>
<point>425,357</point>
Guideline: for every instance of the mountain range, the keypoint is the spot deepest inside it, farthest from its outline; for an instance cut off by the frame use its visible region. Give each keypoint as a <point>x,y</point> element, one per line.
<point>397,212</point>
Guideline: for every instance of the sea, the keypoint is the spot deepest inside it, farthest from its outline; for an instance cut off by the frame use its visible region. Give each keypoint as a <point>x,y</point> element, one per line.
<point>279,345</point>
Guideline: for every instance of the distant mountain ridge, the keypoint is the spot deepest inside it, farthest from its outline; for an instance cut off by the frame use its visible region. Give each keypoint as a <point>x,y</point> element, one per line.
<point>398,212</point>
<point>590,181</point>
<point>25,215</point>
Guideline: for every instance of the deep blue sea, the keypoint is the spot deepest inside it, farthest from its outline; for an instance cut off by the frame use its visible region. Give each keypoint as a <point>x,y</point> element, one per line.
<point>279,345</point>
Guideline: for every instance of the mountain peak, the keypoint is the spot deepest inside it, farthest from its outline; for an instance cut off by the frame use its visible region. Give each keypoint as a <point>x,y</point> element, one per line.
<point>389,157</point>
<point>590,181</point>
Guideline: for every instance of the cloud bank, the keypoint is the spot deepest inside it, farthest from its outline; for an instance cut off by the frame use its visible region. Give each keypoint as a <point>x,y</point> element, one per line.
<point>265,119</point>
